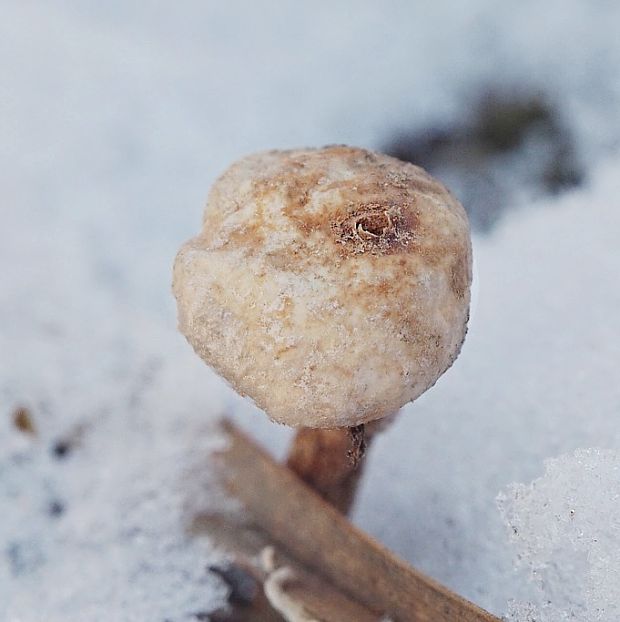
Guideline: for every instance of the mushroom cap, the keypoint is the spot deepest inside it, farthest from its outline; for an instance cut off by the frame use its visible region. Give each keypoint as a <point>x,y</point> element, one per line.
<point>331,286</point>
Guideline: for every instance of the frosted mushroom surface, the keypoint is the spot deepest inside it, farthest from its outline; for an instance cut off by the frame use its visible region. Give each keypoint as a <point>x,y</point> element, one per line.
<point>331,286</point>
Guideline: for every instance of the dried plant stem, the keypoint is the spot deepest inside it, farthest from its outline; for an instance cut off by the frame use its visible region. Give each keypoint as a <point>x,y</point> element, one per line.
<point>356,578</point>
<point>330,461</point>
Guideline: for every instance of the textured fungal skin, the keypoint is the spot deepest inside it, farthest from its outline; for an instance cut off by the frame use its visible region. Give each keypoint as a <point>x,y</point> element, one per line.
<point>331,286</point>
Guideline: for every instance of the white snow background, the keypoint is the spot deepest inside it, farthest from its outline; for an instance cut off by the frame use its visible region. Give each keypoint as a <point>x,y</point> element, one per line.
<point>115,118</point>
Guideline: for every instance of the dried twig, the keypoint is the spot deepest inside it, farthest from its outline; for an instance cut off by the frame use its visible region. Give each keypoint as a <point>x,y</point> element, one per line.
<point>321,540</point>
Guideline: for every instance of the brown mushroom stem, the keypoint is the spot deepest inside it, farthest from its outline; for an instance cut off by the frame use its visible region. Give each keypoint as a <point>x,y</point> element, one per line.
<point>331,461</point>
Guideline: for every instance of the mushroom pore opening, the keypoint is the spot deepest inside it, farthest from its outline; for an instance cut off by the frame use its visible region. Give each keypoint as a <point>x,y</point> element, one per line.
<point>374,224</point>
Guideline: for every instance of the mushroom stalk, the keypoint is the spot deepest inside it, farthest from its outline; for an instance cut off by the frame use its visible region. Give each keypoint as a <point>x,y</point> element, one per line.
<point>331,461</point>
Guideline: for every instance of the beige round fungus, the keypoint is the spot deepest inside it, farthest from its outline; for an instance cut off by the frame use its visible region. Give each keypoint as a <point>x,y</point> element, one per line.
<point>331,286</point>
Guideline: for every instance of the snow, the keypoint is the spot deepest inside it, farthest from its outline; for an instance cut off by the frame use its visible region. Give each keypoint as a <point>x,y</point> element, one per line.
<point>566,530</point>
<point>115,119</point>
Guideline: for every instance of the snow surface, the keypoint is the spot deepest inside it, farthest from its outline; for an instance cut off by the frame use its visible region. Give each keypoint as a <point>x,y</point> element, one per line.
<point>115,118</point>
<point>567,531</point>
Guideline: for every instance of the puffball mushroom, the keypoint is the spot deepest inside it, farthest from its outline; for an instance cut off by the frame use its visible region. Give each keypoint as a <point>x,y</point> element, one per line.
<point>331,286</point>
